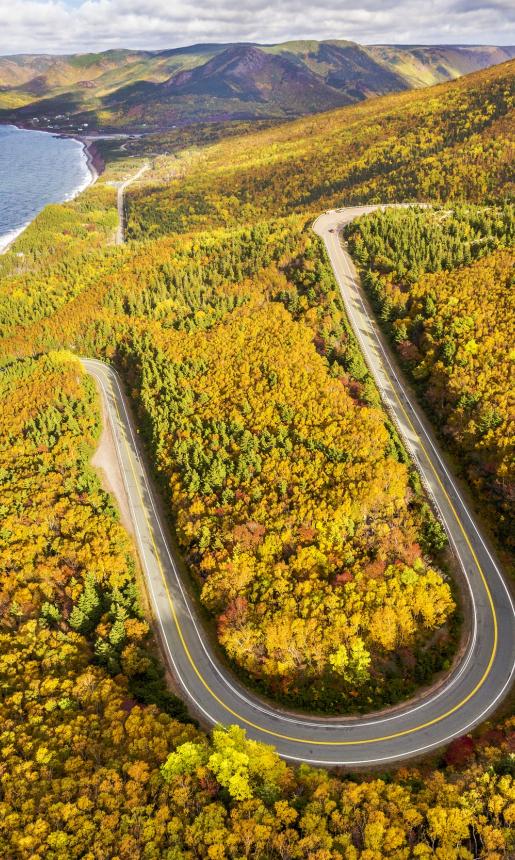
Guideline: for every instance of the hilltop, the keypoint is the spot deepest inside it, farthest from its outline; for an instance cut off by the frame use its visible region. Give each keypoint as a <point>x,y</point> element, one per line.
<point>141,90</point>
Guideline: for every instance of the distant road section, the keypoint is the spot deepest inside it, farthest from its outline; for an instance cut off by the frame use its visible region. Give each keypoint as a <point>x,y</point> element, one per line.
<point>120,202</point>
<point>468,696</point>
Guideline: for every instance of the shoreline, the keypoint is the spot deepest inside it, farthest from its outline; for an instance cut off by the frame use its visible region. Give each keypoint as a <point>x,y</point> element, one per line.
<point>90,164</point>
<point>94,164</point>
<point>94,161</point>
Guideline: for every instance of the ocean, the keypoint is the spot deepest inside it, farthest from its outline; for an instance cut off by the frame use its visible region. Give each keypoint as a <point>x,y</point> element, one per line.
<point>36,168</point>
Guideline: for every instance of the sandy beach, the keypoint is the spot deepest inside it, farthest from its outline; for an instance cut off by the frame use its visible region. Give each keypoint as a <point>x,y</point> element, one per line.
<point>94,160</point>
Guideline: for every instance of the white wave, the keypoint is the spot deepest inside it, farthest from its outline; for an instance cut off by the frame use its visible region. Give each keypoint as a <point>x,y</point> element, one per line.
<point>8,238</point>
<point>89,176</point>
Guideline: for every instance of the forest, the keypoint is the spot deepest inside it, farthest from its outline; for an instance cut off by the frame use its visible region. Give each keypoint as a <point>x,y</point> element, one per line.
<point>211,313</point>
<point>442,283</point>
<point>303,523</point>
<point>93,767</point>
<point>291,495</point>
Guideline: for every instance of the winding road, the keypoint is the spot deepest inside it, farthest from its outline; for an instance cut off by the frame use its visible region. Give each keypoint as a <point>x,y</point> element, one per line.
<point>473,689</point>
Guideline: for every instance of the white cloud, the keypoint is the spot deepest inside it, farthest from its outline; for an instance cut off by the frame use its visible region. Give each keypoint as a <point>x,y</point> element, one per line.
<point>56,26</point>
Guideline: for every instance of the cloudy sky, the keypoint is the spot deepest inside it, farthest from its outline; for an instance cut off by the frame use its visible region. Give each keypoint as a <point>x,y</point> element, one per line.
<point>64,26</point>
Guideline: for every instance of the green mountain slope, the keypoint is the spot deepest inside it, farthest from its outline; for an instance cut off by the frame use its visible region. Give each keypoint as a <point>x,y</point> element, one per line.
<point>425,65</point>
<point>450,142</point>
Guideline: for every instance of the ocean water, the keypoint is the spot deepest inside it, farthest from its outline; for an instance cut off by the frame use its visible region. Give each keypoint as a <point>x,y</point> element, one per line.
<point>36,168</point>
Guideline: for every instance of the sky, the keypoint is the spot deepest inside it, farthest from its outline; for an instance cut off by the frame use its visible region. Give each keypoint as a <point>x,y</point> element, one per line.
<point>68,26</point>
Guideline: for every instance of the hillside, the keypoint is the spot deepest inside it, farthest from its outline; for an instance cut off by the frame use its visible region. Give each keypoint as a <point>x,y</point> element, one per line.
<point>297,510</point>
<point>157,89</point>
<point>452,142</point>
<point>153,307</point>
<point>425,65</point>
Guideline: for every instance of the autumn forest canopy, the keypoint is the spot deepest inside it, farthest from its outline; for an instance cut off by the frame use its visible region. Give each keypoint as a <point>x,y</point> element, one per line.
<point>313,550</point>
<point>442,283</point>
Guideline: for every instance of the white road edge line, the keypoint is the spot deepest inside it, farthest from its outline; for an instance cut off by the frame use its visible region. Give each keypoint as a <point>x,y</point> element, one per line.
<point>104,377</point>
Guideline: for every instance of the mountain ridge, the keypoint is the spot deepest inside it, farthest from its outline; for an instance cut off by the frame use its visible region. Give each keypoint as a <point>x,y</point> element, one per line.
<point>138,90</point>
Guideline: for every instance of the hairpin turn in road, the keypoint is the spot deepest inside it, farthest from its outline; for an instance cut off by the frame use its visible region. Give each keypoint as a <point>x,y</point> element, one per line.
<point>475,686</point>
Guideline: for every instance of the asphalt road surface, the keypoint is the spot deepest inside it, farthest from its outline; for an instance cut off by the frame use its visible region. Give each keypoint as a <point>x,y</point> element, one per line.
<point>476,685</point>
